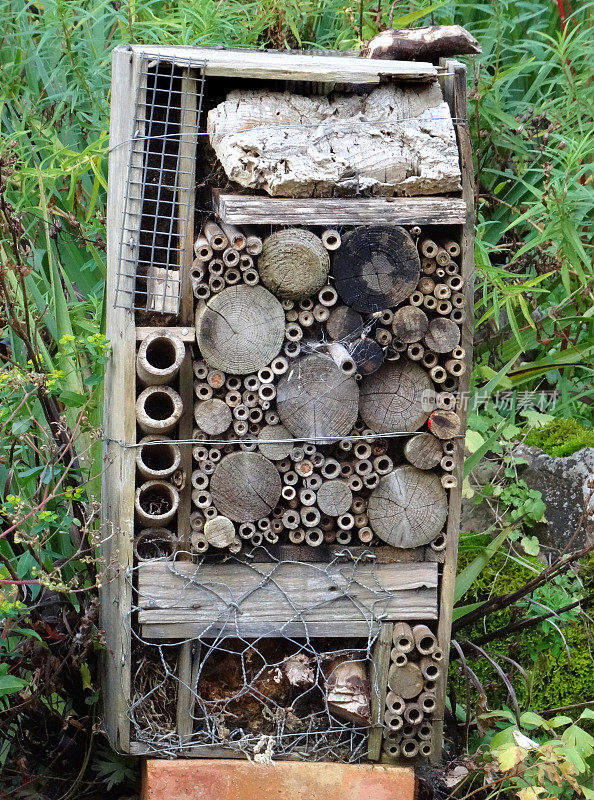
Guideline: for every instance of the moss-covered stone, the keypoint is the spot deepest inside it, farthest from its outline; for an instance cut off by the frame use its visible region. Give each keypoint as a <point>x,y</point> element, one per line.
<point>561,437</point>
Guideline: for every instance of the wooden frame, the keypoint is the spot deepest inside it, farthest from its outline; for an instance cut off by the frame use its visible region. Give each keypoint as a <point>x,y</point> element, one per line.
<point>119,416</point>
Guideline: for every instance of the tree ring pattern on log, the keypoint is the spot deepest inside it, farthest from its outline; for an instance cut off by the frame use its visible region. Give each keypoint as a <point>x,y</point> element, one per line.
<point>392,399</point>
<point>241,329</point>
<point>271,442</point>
<point>245,486</point>
<point>408,508</point>
<point>315,399</point>
<point>334,498</point>
<point>294,263</point>
<point>377,267</point>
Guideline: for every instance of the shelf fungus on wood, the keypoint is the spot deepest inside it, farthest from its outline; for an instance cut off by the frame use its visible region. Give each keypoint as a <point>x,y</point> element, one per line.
<point>394,140</point>
<point>377,267</point>
<point>294,264</point>
<point>241,329</point>
<point>315,399</point>
<point>408,508</point>
<point>394,397</point>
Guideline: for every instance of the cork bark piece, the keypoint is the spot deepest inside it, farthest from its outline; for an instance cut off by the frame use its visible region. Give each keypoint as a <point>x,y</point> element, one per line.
<point>315,399</point>
<point>245,486</point>
<point>294,263</point>
<point>241,329</point>
<point>393,398</point>
<point>408,508</point>
<point>377,267</point>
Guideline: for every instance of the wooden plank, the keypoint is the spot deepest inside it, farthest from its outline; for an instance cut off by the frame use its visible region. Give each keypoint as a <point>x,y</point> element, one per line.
<point>186,192</point>
<point>117,508</point>
<point>185,333</point>
<point>267,65</point>
<point>187,674</point>
<point>455,93</point>
<point>186,600</point>
<point>380,666</point>
<point>249,209</point>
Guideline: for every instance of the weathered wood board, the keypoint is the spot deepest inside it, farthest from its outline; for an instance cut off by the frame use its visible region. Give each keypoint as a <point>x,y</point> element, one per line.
<point>183,600</point>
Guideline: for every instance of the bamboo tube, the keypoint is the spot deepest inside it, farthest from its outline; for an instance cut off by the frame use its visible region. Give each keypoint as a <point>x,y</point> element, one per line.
<point>458,300</point>
<point>371,480</point>
<point>154,543</point>
<point>415,231</point>
<point>429,359</point>
<point>159,358</point>
<point>232,277</point>
<point>444,307</point>
<point>321,313</point>
<point>200,479</point>
<point>313,482</point>
<point>425,731</point>
<point>455,282</point>
<point>383,465</point>
<point>331,468</point>
<point>451,268</point>
<point>246,530</point>
<point>341,357</point>
<point>297,536</point>
<point>398,657</point>
<point>425,640</point>
<point>425,749</point>
<point>426,701</point>
<point>429,668</point>
<point>437,654</point>
<point>413,713</point>
<point>395,703</point>
<point>202,249</point>
<point>428,266</point>
<point>452,248</point>
<point>251,277</point>
<point>331,239</point>
<point>450,384</point>
<point>201,498</point>
<point>439,543</point>
<point>447,463</point>
<point>458,315</point>
<point>196,521</point>
<point>438,374</point>
<point>215,236</point>
<point>293,332</point>
<point>393,720</point>
<point>344,537</point>
<point>402,636</point>
<point>449,481</point>
<point>306,319</point>
<point>216,283</point>
<point>428,248</point>
<point>158,409</point>
<point>198,543</point>
<point>201,291</point>
<point>157,457</point>
<point>442,257</point>
<point>314,537</point>
<point>328,296</point>
<point>415,351</point>
<point>155,503</point>
<point>230,257</point>
<point>245,262</point>
<point>365,535</point>
<point>391,749</point>
<point>409,748</point>
<point>429,302</point>
<point>449,448</point>
<point>355,483</point>
<point>310,516</point>
<point>234,236</point>
<point>253,245</point>
<point>416,298</point>
<point>291,520</point>
<point>442,291</point>
<point>383,337</point>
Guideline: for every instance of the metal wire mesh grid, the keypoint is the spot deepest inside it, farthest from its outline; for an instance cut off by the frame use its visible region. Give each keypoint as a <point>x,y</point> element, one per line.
<point>263,696</point>
<point>160,184</point>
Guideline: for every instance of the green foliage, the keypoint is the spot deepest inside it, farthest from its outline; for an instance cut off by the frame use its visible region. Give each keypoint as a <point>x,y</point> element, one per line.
<point>114,769</point>
<point>546,758</point>
<point>561,437</point>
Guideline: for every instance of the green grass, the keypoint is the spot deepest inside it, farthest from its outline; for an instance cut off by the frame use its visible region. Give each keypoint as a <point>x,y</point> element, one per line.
<point>532,94</point>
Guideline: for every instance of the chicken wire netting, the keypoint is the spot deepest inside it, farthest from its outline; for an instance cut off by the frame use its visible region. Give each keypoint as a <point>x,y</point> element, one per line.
<point>285,691</point>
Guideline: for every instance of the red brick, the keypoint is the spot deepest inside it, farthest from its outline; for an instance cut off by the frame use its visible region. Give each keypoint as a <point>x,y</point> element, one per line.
<point>228,779</point>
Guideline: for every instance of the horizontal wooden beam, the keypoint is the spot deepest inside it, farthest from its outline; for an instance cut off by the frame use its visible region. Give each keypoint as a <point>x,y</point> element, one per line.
<point>181,599</point>
<point>249,209</point>
<point>186,334</point>
<point>245,63</point>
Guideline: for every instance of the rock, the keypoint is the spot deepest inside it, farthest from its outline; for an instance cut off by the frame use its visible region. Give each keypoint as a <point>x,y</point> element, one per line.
<point>566,485</point>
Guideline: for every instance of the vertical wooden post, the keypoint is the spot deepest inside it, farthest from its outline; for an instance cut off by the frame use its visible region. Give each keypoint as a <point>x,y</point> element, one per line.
<point>455,94</point>
<point>189,652</point>
<point>380,666</point>
<point>117,510</point>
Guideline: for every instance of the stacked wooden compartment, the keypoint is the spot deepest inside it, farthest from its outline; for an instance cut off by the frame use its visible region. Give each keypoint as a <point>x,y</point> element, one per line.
<point>269,357</point>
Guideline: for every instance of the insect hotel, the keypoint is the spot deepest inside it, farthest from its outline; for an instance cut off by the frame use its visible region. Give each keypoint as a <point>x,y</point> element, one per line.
<point>289,305</point>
